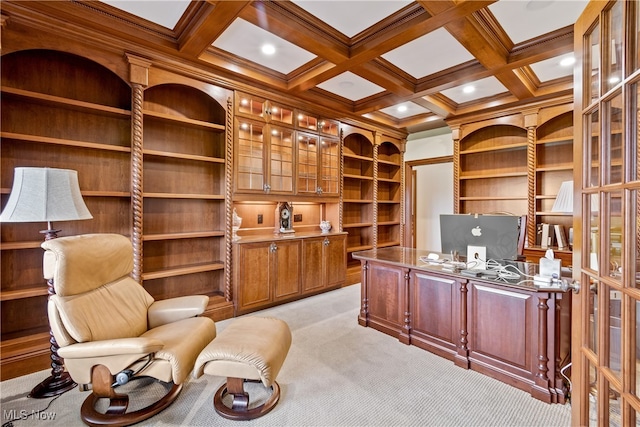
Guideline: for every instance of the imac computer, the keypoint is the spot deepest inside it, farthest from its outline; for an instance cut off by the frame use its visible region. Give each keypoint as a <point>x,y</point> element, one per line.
<point>499,234</point>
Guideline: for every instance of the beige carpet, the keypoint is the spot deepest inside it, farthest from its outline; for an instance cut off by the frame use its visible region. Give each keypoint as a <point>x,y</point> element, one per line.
<point>337,373</point>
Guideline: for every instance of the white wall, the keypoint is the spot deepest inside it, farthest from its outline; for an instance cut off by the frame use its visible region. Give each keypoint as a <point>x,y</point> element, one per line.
<point>434,189</point>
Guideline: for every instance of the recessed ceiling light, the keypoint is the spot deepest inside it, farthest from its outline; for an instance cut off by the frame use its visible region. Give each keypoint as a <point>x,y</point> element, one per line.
<point>614,79</point>
<point>244,126</point>
<point>469,89</point>
<point>268,49</point>
<point>568,61</point>
<point>402,108</point>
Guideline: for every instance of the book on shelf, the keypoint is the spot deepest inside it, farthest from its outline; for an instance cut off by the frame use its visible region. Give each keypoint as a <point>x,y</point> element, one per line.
<point>547,239</point>
<point>561,237</point>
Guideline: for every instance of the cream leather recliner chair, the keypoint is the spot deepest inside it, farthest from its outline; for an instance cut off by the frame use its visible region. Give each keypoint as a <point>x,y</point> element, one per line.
<point>110,329</point>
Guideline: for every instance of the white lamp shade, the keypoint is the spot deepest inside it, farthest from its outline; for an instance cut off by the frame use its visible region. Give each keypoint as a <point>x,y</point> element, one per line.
<point>45,194</point>
<point>564,199</point>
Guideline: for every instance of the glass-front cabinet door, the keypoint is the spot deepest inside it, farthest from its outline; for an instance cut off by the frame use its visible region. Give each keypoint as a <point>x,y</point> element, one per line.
<point>307,163</point>
<point>318,155</point>
<point>250,152</point>
<point>329,166</point>
<point>280,155</point>
<point>264,148</point>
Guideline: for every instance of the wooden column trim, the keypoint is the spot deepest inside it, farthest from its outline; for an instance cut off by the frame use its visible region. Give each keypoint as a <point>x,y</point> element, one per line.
<point>377,138</point>
<point>455,135</point>
<point>531,184</point>
<point>228,204</point>
<point>139,78</point>
<point>403,178</point>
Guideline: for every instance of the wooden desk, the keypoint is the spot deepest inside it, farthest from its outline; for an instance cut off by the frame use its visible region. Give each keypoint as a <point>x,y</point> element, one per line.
<point>534,253</point>
<point>511,331</point>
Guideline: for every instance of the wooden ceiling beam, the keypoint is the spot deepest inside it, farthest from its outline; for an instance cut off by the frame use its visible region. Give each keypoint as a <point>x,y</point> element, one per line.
<point>413,24</point>
<point>315,37</point>
<point>199,28</point>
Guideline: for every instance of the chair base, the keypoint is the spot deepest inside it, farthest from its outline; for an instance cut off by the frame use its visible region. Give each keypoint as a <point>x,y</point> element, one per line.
<point>240,408</point>
<point>116,414</point>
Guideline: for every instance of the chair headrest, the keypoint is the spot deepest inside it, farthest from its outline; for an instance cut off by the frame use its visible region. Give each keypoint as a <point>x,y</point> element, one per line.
<point>78,264</point>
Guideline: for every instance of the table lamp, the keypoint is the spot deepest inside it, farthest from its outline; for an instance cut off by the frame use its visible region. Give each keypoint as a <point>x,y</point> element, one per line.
<point>47,195</point>
<point>564,199</point>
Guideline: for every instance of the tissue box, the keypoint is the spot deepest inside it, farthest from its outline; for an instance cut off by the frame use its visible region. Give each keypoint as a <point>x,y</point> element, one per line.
<point>550,267</point>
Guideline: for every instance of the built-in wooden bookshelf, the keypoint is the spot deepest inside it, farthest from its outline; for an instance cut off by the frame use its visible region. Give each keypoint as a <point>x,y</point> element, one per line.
<point>492,170</point>
<point>58,118</point>
<point>184,193</point>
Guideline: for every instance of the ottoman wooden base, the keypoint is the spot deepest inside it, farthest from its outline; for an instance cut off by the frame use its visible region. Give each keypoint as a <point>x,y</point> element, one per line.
<point>250,349</point>
<point>240,408</point>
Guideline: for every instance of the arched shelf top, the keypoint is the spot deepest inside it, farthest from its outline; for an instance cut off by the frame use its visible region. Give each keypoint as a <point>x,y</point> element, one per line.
<point>65,75</point>
<point>357,144</point>
<point>184,101</point>
<point>501,136</point>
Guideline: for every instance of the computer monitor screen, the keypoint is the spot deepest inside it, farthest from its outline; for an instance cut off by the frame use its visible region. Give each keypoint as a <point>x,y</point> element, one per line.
<point>498,233</point>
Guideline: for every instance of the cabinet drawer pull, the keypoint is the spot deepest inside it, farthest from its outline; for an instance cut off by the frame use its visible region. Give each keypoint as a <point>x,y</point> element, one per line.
<point>273,247</point>
<point>326,241</point>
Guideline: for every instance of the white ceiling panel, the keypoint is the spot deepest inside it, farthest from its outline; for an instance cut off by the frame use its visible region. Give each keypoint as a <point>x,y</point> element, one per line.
<point>350,86</point>
<point>163,12</point>
<point>351,17</point>
<point>526,19</point>
<point>246,40</point>
<point>429,54</point>
<point>404,110</point>
<point>482,89</point>
<point>553,68</point>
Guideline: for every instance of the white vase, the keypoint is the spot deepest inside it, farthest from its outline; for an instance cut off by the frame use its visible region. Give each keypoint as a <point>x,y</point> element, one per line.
<point>325,226</point>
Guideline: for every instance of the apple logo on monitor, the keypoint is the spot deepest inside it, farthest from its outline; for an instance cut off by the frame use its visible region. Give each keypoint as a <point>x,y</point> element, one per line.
<point>476,231</point>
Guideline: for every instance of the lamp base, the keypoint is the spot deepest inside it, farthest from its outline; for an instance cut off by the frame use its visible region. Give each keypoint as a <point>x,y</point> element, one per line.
<point>53,386</point>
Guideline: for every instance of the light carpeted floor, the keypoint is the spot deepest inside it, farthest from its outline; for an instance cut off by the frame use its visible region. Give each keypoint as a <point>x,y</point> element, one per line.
<point>337,373</point>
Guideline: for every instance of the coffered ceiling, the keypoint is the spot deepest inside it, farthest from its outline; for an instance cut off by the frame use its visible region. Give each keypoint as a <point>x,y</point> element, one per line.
<point>408,64</point>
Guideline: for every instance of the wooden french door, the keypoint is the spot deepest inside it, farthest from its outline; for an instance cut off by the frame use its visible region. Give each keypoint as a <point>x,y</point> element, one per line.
<point>606,331</point>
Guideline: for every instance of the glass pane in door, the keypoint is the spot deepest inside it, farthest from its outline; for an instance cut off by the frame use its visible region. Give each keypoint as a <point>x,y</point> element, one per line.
<point>615,330</point>
<point>592,65</point>
<point>593,315</point>
<point>281,173</point>
<point>593,395</point>
<point>593,168</point>
<point>613,49</point>
<point>251,105</point>
<point>613,146</point>
<point>279,113</point>
<point>593,243</point>
<point>250,167</point>
<point>614,234</point>
<point>330,169</point>
<point>307,163</point>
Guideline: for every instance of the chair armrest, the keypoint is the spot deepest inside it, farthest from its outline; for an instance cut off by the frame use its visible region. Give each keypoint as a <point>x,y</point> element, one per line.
<point>174,309</point>
<point>115,347</point>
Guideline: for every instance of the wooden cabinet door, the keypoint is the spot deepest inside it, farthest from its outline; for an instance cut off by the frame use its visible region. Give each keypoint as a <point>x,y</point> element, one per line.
<point>435,319</point>
<point>253,272</point>
<point>335,260</point>
<point>313,264</point>
<point>286,265</point>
